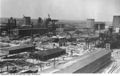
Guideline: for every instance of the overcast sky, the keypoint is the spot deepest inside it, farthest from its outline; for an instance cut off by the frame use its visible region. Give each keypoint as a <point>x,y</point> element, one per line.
<point>102,10</point>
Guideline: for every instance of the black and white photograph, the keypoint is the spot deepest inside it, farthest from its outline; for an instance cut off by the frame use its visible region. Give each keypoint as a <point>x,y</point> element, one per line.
<point>59,37</point>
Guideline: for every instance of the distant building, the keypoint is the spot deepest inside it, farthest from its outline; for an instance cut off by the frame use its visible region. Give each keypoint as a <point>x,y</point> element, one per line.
<point>88,26</point>
<point>39,22</point>
<point>7,25</point>
<point>27,20</point>
<point>116,21</point>
<point>60,27</point>
<point>11,23</point>
<point>90,23</point>
<point>3,28</point>
<point>99,25</point>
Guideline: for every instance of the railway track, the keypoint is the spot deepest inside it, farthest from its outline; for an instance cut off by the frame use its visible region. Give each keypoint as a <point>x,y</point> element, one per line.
<point>118,70</point>
<point>113,68</point>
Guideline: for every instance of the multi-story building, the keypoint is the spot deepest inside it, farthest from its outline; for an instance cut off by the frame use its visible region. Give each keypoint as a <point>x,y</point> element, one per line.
<point>116,23</point>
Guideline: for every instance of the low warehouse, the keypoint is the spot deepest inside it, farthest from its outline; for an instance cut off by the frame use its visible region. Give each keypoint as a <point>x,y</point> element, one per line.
<point>48,54</point>
<point>19,49</point>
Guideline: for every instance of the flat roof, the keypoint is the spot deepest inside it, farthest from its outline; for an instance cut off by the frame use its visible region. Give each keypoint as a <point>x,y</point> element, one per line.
<point>18,47</point>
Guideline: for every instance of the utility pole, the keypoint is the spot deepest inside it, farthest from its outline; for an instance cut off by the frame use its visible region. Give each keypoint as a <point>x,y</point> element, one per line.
<point>54,62</point>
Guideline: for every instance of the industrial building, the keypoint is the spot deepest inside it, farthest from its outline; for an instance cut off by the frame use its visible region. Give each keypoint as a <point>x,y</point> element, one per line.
<point>116,23</point>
